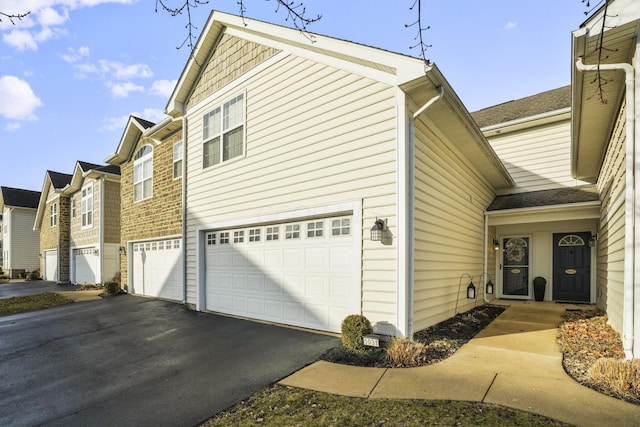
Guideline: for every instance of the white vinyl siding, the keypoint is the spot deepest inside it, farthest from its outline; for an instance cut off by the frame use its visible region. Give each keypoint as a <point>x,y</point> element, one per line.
<point>611,236</point>
<point>450,198</point>
<point>21,242</point>
<point>538,158</point>
<point>315,136</point>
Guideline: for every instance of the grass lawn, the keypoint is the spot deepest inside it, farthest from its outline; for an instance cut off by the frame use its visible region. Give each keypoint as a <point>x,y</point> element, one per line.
<point>31,303</point>
<point>288,406</point>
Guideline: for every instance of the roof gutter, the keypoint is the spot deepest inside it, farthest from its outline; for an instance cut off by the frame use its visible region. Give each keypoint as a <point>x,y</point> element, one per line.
<point>630,206</point>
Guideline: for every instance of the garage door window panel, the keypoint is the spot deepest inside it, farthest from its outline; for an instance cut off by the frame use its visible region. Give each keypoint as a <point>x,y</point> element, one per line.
<point>315,229</point>
<point>341,227</point>
<point>292,231</point>
<point>273,233</point>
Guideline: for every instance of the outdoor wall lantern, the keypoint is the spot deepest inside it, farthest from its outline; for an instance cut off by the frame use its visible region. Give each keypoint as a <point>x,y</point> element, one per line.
<point>592,241</point>
<point>496,244</point>
<point>471,291</point>
<point>378,229</point>
<point>489,287</point>
<point>122,250</point>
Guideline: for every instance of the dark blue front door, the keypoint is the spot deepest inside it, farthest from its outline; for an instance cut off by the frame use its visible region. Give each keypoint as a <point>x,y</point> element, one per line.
<point>572,267</point>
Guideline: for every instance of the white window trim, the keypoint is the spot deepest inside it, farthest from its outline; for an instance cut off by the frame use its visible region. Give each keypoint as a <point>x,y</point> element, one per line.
<point>141,161</point>
<point>220,105</point>
<point>53,215</point>
<point>88,224</point>
<point>180,153</point>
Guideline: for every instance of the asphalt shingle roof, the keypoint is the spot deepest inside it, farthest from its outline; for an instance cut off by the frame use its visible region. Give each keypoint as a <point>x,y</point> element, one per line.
<point>556,196</point>
<point>544,102</point>
<point>145,123</point>
<point>59,180</point>
<point>86,166</point>
<point>18,197</point>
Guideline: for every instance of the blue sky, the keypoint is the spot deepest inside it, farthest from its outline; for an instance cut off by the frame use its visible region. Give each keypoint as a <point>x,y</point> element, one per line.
<point>74,70</point>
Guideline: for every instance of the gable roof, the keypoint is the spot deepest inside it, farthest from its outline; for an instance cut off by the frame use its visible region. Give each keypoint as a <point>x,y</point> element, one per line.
<point>556,196</point>
<point>530,106</point>
<point>19,198</point>
<point>84,170</point>
<point>137,128</point>
<point>594,120</point>
<point>420,82</point>
<point>59,181</point>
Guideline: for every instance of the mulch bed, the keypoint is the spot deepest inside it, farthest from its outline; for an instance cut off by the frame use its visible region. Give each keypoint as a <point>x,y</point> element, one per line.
<point>442,339</point>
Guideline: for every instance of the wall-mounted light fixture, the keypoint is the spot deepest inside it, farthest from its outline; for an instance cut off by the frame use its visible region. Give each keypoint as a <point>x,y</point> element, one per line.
<point>96,252</point>
<point>378,229</point>
<point>122,250</point>
<point>496,244</point>
<point>592,241</point>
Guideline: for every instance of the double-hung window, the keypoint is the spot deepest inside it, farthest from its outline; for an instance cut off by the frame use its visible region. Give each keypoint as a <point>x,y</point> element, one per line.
<point>177,160</point>
<point>143,174</point>
<point>87,207</point>
<point>54,215</point>
<point>223,132</point>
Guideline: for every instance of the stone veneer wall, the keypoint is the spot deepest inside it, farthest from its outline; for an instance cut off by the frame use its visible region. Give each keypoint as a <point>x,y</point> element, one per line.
<point>158,216</point>
<point>112,212</point>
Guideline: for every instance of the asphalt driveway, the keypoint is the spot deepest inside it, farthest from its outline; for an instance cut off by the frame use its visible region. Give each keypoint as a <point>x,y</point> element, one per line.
<point>131,361</point>
<point>30,287</point>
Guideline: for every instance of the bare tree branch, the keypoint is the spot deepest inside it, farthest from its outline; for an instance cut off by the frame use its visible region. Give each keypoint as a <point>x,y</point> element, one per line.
<point>600,51</point>
<point>13,16</point>
<point>419,38</point>
<point>296,13</point>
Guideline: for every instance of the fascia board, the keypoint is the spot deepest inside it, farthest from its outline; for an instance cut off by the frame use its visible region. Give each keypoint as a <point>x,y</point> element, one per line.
<point>527,122</point>
<point>619,12</point>
<point>132,132</point>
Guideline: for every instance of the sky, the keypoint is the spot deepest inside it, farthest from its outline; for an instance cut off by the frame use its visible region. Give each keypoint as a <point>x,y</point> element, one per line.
<point>73,71</point>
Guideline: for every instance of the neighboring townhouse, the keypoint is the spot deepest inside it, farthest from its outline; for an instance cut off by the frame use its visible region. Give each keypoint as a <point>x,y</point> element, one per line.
<point>94,237</point>
<point>326,178</point>
<point>53,222</point>
<point>547,224</point>
<point>605,137</point>
<point>150,157</point>
<point>21,243</point>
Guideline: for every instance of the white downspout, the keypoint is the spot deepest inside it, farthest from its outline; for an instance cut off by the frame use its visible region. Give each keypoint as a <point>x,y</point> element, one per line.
<point>405,299</point>
<point>101,232</point>
<point>630,197</point>
<point>184,209</point>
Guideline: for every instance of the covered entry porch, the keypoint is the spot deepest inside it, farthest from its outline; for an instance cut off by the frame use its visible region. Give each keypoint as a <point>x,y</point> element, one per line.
<point>550,234</point>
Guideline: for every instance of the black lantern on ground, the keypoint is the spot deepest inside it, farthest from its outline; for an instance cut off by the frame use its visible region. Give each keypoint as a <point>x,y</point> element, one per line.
<point>489,287</point>
<point>377,231</point>
<point>471,291</point>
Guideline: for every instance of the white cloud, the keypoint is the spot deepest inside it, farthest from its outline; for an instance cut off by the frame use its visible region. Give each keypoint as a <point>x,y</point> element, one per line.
<point>12,127</point>
<point>17,99</point>
<point>21,40</point>
<point>118,123</point>
<point>511,25</point>
<point>72,56</point>
<point>122,71</point>
<point>162,88</point>
<point>122,90</point>
<point>45,20</point>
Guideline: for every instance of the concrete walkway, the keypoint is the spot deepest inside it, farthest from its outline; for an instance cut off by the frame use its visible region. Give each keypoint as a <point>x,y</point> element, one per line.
<point>514,362</point>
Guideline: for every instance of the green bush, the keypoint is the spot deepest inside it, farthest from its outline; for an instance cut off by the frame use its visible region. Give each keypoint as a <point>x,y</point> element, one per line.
<point>111,287</point>
<point>34,275</point>
<point>354,327</point>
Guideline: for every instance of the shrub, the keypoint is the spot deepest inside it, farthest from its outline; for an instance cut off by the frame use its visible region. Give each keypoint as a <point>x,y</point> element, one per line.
<point>354,327</point>
<point>620,376</point>
<point>405,352</point>
<point>111,287</point>
<point>34,275</point>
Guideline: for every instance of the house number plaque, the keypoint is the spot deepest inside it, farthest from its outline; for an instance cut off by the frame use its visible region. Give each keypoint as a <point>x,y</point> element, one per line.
<point>570,271</point>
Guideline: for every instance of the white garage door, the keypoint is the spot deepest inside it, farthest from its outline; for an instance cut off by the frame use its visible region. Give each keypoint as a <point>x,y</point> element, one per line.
<point>51,265</point>
<point>296,273</point>
<point>85,265</point>
<point>157,269</point>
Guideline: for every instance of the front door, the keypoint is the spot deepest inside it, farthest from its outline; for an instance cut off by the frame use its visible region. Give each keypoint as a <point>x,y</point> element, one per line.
<point>515,267</point>
<point>572,267</point>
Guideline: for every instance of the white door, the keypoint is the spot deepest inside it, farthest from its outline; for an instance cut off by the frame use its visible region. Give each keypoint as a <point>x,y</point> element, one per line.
<point>85,265</point>
<point>296,273</point>
<point>51,265</point>
<point>157,269</point>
